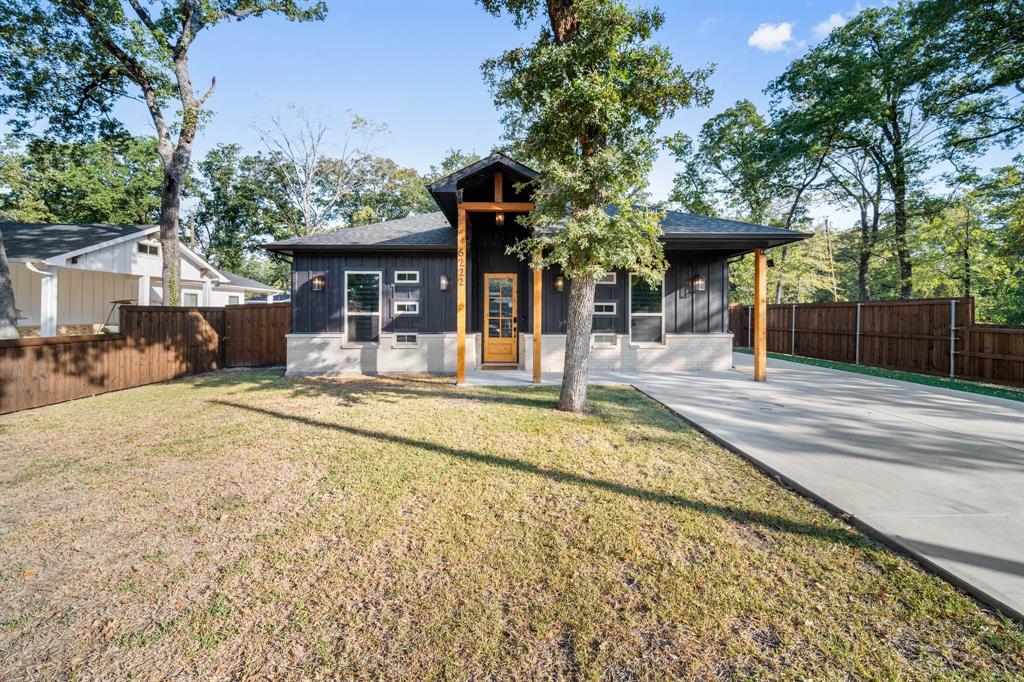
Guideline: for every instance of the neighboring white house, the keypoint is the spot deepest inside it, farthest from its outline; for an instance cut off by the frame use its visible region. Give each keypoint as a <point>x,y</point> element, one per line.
<point>68,279</point>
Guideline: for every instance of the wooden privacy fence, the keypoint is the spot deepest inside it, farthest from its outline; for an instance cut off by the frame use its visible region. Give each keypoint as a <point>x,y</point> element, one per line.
<point>930,336</point>
<point>154,344</point>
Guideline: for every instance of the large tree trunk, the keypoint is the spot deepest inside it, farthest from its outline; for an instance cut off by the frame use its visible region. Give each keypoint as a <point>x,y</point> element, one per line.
<point>8,315</point>
<point>573,397</point>
<point>170,216</point>
<point>899,206</point>
<point>864,257</point>
<point>564,17</point>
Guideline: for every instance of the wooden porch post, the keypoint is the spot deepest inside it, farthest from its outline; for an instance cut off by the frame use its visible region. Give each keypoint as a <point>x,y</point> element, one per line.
<point>760,315</point>
<point>460,299</point>
<point>538,297</point>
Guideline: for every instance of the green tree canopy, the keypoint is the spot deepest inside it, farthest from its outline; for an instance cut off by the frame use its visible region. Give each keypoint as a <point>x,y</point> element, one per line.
<point>114,179</point>
<point>583,103</point>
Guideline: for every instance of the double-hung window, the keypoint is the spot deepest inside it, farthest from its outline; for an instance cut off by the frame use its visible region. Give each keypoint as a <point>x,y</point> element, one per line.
<point>646,311</point>
<point>362,307</point>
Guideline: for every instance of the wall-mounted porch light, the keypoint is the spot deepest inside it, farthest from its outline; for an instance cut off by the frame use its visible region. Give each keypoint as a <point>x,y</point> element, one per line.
<point>444,282</point>
<point>559,284</point>
<point>499,218</point>
<point>319,282</point>
<point>697,282</point>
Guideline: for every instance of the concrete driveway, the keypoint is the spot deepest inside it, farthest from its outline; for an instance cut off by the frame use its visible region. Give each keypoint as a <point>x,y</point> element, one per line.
<point>939,473</point>
<point>935,472</point>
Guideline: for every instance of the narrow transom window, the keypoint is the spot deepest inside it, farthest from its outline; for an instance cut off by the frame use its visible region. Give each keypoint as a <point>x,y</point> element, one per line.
<point>407,277</point>
<point>407,307</point>
<point>362,307</point>
<point>604,307</point>
<point>405,339</point>
<point>604,339</point>
<point>149,249</point>
<point>608,278</point>
<point>646,311</point>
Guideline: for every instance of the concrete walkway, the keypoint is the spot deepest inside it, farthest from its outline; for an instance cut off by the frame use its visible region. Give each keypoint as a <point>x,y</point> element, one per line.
<point>935,472</point>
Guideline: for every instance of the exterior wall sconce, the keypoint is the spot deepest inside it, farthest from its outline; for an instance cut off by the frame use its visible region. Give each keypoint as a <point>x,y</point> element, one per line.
<point>444,282</point>
<point>499,218</point>
<point>697,282</point>
<point>770,263</point>
<point>559,284</point>
<point>319,282</point>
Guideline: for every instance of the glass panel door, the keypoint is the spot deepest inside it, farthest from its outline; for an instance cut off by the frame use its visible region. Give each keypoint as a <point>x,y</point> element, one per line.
<point>500,332</point>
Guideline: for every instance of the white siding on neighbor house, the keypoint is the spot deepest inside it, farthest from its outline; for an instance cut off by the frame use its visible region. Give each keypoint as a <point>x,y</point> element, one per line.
<point>123,257</point>
<point>83,296</point>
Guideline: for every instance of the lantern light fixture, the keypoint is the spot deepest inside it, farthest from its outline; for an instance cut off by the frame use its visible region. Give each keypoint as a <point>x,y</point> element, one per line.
<point>697,282</point>
<point>559,284</point>
<point>499,218</point>
<point>444,282</point>
<point>319,282</point>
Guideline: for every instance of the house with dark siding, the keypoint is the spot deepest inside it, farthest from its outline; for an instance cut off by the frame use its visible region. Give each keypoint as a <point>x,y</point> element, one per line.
<point>439,293</point>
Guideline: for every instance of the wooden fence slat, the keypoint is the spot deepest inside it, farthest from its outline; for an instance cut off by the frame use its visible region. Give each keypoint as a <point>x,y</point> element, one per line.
<point>155,344</point>
<point>912,335</point>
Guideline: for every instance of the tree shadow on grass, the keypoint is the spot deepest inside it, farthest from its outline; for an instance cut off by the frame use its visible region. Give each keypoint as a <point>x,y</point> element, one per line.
<point>836,535</point>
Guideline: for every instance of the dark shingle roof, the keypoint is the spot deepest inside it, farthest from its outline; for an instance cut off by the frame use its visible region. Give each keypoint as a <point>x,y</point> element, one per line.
<point>235,280</point>
<point>679,223</point>
<point>39,241</point>
<point>427,231</point>
<point>433,231</point>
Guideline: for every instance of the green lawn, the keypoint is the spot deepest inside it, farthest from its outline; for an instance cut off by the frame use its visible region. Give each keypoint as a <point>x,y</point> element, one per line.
<point>1008,392</point>
<point>244,525</point>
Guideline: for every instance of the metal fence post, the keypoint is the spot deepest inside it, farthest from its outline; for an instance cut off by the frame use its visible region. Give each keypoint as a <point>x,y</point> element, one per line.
<point>952,338</point>
<point>750,316</point>
<point>792,333</point>
<point>856,353</point>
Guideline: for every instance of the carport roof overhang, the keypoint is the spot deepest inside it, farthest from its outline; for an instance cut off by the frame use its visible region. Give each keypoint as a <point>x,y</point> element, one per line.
<point>732,244</point>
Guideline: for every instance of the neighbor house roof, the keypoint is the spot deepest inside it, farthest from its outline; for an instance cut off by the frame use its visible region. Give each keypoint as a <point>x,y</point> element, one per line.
<point>433,232</point>
<point>41,241</point>
<point>236,280</point>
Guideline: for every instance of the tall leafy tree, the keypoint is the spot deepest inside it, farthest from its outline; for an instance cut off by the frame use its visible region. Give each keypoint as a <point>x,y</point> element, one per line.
<point>69,61</point>
<point>978,47</point>
<point>583,103</point>
<point>752,169</point>
<point>115,179</point>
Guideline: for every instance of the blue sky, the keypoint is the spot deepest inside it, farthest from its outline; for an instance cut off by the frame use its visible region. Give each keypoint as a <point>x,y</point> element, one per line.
<point>414,65</point>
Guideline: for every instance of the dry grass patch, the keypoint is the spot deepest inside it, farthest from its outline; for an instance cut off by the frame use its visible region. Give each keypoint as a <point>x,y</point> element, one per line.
<point>246,525</point>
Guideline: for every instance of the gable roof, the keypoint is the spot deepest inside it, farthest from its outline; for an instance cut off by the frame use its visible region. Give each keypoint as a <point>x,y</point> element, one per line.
<point>445,190</point>
<point>42,241</point>
<point>433,232</point>
<point>236,280</point>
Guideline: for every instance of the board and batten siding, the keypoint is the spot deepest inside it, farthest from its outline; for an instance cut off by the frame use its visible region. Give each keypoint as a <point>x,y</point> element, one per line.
<point>324,311</point>
<point>83,296</point>
<point>697,312</point>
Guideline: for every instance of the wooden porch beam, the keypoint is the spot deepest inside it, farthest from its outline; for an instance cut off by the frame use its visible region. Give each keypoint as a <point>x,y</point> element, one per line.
<point>460,299</point>
<point>538,297</point>
<point>495,206</point>
<point>760,315</point>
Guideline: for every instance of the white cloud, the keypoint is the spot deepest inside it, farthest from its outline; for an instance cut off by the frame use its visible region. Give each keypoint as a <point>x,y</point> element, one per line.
<point>824,28</point>
<point>706,24</point>
<point>771,37</point>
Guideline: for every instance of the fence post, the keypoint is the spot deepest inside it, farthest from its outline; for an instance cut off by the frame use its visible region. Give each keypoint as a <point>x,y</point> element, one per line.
<point>749,317</point>
<point>856,352</point>
<point>792,333</point>
<point>952,338</point>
